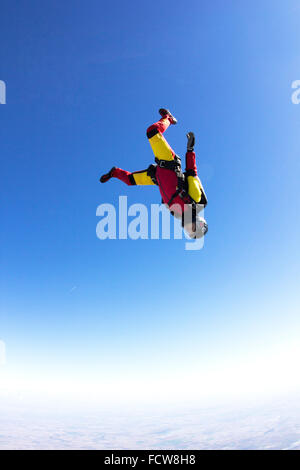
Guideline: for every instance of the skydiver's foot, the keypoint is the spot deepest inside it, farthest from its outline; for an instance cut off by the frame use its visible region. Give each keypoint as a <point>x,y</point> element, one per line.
<point>165,112</point>
<point>107,176</point>
<point>191,141</point>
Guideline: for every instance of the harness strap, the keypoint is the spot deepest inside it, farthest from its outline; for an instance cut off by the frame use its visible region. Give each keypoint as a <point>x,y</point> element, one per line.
<point>151,171</point>
<point>174,165</point>
<point>182,190</point>
<point>173,197</point>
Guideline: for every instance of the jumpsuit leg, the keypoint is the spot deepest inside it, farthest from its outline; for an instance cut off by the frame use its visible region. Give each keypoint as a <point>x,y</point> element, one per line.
<point>159,145</point>
<point>131,179</point>
<point>161,150</point>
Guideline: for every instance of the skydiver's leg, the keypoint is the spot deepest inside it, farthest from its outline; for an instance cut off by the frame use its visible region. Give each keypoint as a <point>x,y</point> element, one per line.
<point>123,175</point>
<point>131,179</point>
<point>160,146</point>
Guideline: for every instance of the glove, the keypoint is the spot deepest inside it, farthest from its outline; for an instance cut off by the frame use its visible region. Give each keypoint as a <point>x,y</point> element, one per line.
<point>190,142</point>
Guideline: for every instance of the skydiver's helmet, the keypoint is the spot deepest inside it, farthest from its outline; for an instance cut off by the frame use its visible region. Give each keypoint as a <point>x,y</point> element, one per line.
<point>196,228</point>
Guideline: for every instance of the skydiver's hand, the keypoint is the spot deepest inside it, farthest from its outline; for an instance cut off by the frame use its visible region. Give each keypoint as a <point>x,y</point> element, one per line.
<point>191,141</point>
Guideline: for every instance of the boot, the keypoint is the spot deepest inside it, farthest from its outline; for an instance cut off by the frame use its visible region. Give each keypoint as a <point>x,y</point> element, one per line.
<point>107,176</point>
<point>165,112</point>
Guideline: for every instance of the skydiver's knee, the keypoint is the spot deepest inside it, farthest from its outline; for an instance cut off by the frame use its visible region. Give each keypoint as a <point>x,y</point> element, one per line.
<point>131,179</point>
<point>152,130</point>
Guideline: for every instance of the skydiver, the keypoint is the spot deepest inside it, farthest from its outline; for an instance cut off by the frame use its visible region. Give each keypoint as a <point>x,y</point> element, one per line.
<point>182,192</point>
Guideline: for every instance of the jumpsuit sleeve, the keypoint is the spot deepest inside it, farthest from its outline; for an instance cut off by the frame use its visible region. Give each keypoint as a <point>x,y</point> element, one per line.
<point>194,184</point>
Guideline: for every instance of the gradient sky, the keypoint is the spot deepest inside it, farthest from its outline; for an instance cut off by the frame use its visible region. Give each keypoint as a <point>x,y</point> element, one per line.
<point>84,80</point>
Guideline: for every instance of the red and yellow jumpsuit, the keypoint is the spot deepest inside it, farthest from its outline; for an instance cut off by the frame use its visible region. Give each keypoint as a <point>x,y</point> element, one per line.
<point>167,179</point>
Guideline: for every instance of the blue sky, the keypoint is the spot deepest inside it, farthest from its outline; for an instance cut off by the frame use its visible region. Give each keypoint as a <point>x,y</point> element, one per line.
<point>84,80</point>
